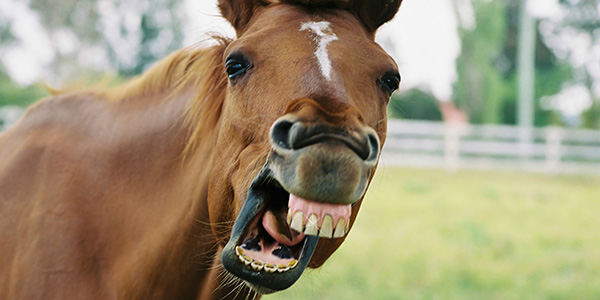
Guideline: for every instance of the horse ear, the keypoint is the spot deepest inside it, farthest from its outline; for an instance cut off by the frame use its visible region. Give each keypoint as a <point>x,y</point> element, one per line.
<point>238,12</point>
<point>320,3</point>
<point>375,13</point>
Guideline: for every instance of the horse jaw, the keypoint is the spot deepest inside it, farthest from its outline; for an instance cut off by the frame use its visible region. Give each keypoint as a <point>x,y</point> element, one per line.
<point>277,186</point>
<point>262,281</point>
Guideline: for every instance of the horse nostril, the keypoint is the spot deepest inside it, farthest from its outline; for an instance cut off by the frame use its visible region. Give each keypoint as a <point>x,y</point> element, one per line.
<point>290,135</point>
<point>280,134</point>
<point>373,146</point>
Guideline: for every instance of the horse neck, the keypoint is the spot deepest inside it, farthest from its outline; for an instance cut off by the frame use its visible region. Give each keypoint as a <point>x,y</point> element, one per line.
<point>174,253</point>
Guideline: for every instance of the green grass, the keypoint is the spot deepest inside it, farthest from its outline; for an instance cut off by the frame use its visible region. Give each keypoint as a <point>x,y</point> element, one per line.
<point>428,234</point>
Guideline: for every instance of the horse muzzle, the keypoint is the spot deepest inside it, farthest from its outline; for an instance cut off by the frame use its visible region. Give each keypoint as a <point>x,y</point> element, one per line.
<point>321,162</point>
<point>319,165</point>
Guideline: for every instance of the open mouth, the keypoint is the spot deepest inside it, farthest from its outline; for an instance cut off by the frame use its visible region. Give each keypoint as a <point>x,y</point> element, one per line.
<point>274,239</point>
<point>276,233</point>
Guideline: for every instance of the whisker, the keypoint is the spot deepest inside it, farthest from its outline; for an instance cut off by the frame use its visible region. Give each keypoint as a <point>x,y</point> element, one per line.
<point>230,292</point>
<point>240,288</point>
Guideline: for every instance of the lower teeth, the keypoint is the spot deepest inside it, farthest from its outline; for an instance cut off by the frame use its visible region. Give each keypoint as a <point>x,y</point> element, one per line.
<point>259,265</point>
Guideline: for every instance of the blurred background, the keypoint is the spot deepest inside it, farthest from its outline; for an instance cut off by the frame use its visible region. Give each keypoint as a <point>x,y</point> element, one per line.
<point>489,185</point>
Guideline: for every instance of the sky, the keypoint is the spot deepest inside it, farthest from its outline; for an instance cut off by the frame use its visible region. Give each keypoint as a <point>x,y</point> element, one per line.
<point>25,62</point>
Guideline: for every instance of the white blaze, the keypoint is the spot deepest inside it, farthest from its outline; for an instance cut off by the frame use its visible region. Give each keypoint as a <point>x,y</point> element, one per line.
<point>323,36</point>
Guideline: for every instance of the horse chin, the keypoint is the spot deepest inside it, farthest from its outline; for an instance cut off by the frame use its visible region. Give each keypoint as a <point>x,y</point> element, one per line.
<point>249,264</point>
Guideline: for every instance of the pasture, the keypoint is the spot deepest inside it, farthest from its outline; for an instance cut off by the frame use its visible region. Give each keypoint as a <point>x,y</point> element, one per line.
<point>428,234</point>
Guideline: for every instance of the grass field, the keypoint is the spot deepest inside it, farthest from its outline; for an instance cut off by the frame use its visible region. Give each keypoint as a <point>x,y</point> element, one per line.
<point>427,234</point>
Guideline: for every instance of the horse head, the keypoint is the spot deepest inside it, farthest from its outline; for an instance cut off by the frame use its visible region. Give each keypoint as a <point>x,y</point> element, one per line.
<point>300,132</point>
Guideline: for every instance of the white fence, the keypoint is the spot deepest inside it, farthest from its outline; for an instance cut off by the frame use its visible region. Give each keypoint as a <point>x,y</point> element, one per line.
<point>456,146</point>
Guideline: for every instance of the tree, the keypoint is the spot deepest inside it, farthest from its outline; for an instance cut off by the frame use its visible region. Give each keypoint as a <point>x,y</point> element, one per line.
<point>13,94</point>
<point>550,72</point>
<point>582,19</point>
<point>109,35</point>
<point>126,36</point>
<point>414,104</point>
<point>487,74</point>
<point>480,89</point>
<point>591,117</point>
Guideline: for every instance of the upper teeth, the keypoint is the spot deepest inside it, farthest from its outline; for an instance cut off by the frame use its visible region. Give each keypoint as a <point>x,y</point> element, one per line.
<point>310,225</point>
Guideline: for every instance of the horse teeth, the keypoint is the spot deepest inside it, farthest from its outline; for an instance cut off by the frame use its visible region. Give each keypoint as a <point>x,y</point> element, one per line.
<point>312,226</point>
<point>298,222</point>
<point>245,259</point>
<point>340,229</point>
<point>239,251</point>
<point>289,216</point>
<point>282,268</point>
<point>326,227</point>
<point>270,268</point>
<point>257,265</point>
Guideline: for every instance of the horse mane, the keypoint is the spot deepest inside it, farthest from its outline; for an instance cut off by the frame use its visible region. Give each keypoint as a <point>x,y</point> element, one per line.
<point>197,68</point>
<point>179,69</point>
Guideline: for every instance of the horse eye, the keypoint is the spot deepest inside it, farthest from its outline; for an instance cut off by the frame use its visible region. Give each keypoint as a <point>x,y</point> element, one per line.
<point>390,82</point>
<point>236,66</point>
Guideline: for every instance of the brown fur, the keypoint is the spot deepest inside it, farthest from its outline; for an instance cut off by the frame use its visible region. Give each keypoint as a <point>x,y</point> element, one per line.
<point>96,198</point>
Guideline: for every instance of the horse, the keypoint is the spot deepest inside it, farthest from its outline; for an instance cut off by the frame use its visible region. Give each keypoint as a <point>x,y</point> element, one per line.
<point>222,172</point>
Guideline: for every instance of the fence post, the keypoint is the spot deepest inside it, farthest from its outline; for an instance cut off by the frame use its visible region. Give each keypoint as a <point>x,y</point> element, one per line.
<point>553,151</point>
<point>526,142</point>
<point>451,146</point>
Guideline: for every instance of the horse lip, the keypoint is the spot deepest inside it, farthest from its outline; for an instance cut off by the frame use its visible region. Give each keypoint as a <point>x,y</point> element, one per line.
<point>267,282</point>
<point>361,150</point>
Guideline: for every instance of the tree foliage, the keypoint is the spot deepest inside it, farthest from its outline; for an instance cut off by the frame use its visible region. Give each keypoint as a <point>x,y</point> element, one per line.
<point>414,104</point>
<point>13,94</point>
<point>126,36</point>
<point>583,17</point>
<point>591,117</point>
<point>479,89</point>
<point>486,88</point>
<point>88,37</point>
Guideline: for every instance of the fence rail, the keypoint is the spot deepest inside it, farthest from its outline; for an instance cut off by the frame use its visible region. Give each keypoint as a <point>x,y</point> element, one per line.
<point>456,146</point>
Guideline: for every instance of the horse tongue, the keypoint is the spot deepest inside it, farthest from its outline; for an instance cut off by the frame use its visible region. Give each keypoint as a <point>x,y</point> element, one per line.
<point>278,229</point>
